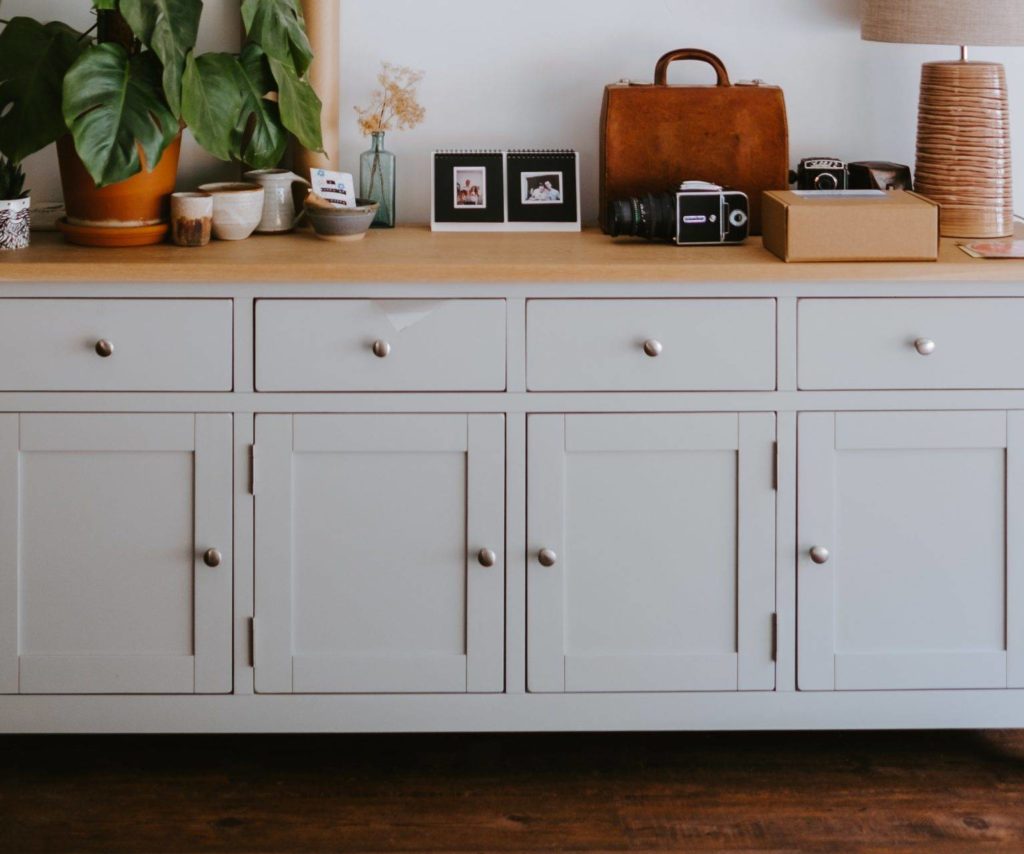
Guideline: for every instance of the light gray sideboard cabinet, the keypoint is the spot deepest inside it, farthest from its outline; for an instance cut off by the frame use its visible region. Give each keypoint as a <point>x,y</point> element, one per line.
<point>470,482</point>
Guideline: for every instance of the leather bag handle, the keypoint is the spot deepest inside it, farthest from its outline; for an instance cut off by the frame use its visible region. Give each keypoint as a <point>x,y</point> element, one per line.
<point>661,70</point>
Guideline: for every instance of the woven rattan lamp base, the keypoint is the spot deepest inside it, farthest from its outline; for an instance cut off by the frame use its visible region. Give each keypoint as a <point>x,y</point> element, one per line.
<point>963,147</point>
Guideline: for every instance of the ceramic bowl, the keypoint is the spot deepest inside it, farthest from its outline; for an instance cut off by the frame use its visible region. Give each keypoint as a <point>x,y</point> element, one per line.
<point>341,224</point>
<point>237,209</point>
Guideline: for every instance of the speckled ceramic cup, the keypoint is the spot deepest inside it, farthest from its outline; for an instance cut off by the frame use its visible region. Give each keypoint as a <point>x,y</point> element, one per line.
<point>237,209</point>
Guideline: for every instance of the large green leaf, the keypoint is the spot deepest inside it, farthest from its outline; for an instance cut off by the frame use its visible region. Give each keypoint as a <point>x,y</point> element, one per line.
<point>279,28</point>
<point>115,105</point>
<point>104,5</point>
<point>300,106</point>
<point>227,112</point>
<point>170,28</point>
<point>256,65</point>
<point>34,58</point>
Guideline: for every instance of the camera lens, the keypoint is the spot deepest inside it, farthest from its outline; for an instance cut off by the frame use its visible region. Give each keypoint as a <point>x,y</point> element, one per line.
<point>652,216</point>
<point>826,181</point>
<point>738,218</point>
<point>623,218</point>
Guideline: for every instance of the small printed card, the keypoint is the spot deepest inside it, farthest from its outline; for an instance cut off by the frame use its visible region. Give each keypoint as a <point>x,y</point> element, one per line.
<point>338,188</point>
<point>995,249</point>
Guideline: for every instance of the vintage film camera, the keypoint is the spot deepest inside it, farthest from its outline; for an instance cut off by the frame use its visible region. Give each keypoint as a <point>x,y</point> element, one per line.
<point>699,214</point>
<point>820,173</point>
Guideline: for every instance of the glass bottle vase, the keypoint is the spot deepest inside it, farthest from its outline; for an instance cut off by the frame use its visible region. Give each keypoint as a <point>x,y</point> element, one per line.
<point>377,181</point>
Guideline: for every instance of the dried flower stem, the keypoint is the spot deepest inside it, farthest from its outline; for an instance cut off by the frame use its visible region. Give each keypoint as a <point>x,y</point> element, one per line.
<point>394,105</point>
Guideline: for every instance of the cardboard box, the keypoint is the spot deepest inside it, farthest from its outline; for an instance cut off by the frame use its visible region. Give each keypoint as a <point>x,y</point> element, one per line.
<point>851,226</point>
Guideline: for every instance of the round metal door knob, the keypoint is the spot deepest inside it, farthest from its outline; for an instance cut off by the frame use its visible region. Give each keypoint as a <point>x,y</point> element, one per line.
<point>924,346</point>
<point>104,348</point>
<point>487,558</point>
<point>381,349</point>
<point>547,557</point>
<point>212,558</point>
<point>653,348</point>
<point>820,555</point>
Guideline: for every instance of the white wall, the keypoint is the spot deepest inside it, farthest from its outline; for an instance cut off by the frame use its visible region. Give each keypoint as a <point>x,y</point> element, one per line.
<point>530,73</point>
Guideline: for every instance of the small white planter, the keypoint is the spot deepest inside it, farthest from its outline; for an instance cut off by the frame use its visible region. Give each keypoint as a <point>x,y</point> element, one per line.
<point>14,223</point>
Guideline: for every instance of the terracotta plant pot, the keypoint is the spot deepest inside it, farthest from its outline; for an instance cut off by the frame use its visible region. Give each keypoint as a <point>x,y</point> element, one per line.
<point>142,200</point>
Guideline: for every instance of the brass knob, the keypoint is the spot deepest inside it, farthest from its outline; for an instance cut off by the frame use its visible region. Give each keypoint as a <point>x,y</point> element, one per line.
<point>381,349</point>
<point>104,348</point>
<point>820,555</point>
<point>924,346</point>
<point>547,557</point>
<point>212,558</point>
<point>653,348</point>
<point>487,558</point>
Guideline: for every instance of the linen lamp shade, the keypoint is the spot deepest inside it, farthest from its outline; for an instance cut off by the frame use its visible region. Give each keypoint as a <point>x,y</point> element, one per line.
<point>964,157</point>
<point>955,22</point>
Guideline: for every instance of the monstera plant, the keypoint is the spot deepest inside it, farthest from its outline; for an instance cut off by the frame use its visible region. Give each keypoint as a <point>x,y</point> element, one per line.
<point>124,89</point>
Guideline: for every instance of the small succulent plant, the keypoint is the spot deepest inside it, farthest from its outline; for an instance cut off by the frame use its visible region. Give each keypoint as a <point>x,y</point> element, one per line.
<point>12,180</point>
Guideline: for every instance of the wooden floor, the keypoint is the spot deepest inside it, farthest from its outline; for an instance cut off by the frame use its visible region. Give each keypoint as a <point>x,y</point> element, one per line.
<point>946,791</point>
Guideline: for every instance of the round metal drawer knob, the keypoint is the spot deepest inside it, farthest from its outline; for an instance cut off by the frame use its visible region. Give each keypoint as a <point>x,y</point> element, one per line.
<point>212,558</point>
<point>381,349</point>
<point>924,346</point>
<point>104,348</point>
<point>653,348</point>
<point>820,555</point>
<point>487,558</point>
<point>547,557</point>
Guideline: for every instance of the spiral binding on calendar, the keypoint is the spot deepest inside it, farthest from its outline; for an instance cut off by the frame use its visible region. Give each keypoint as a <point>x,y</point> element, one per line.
<point>541,152</point>
<point>459,152</point>
<point>509,152</point>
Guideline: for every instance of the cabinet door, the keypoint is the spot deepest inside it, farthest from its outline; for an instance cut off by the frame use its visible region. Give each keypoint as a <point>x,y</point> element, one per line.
<point>105,521</point>
<point>369,572</point>
<point>662,529</point>
<point>920,515</point>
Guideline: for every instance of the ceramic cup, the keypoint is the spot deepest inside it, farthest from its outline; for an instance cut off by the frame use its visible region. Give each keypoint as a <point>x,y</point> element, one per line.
<point>279,210</point>
<point>191,218</point>
<point>14,223</point>
<point>237,209</point>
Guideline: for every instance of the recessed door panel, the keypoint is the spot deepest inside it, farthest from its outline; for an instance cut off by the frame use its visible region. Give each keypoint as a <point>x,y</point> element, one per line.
<point>113,515</point>
<point>914,510</point>
<point>369,533</point>
<point>662,533</point>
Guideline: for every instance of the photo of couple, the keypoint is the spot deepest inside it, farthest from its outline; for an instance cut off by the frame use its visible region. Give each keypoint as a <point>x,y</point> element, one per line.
<point>542,188</point>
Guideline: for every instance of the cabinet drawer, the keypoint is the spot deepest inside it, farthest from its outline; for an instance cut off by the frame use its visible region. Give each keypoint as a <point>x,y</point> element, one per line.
<point>911,343</point>
<point>651,345</point>
<point>154,345</point>
<point>380,345</point>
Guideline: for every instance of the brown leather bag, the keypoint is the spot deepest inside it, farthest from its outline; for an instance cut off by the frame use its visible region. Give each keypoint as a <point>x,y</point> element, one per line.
<point>656,136</point>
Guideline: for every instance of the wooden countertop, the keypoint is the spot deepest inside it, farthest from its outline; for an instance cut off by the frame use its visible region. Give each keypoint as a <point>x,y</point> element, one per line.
<point>414,254</point>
